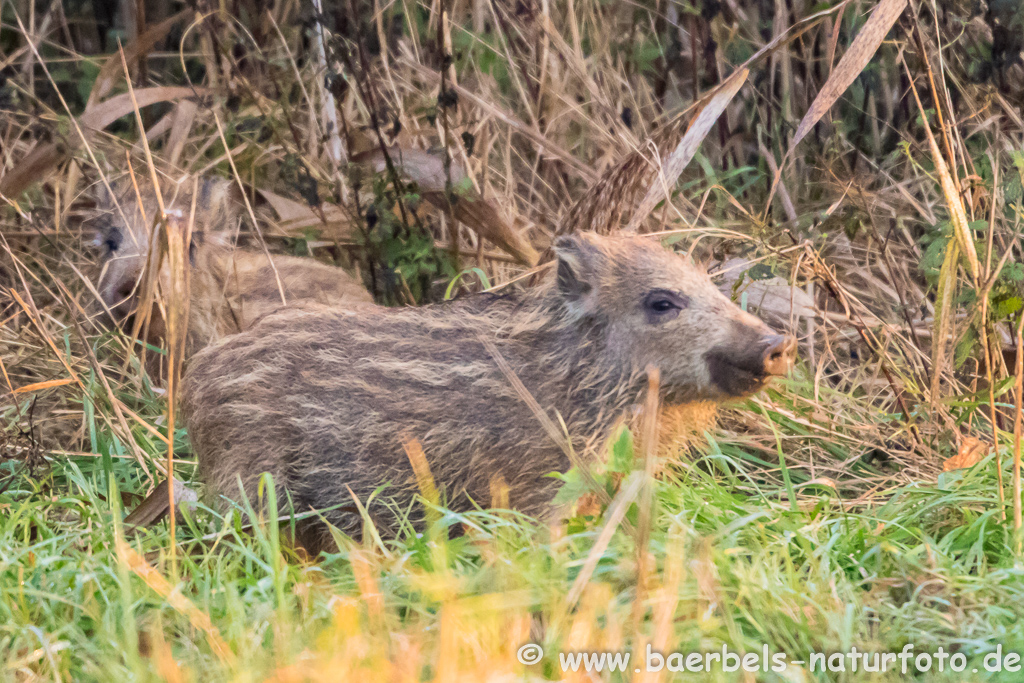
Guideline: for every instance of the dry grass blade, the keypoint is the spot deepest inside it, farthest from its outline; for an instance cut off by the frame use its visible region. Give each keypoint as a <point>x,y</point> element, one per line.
<point>614,194</point>
<point>295,217</point>
<point>162,587</point>
<point>1018,390</point>
<point>649,446</point>
<point>38,386</point>
<point>687,147</point>
<point>943,305</point>
<point>553,432</point>
<point>957,213</point>
<point>853,62</point>
<point>112,70</point>
<point>249,210</point>
<point>177,305</point>
<point>421,468</point>
<point>511,121</point>
<point>962,242</point>
<point>33,315</point>
<point>41,160</point>
<point>616,514</point>
<point>428,173</point>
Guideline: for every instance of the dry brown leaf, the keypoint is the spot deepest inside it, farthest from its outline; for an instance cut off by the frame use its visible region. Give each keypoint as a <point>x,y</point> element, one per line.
<point>614,194</point>
<point>44,157</point>
<point>156,505</point>
<point>427,171</point>
<point>111,70</point>
<point>687,147</point>
<point>773,298</point>
<point>295,217</point>
<point>972,451</point>
<point>108,111</point>
<point>31,168</point>
<point>483,217</point>
<point>852,63</point>
<point>287,210</point>
<point>181,125</point>
<point>417,166</point>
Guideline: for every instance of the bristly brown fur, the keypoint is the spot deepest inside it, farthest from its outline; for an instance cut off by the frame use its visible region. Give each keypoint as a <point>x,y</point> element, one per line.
<point>682,426</point>
<point>232,288</point>
<point>323,398</point>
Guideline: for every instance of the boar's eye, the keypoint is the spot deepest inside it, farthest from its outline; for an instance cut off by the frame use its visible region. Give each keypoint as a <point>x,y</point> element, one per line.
<point>661,305</point>
<point>112,239</point>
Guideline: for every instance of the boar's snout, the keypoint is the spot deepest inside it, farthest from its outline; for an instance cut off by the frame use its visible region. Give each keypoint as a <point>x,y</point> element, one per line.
<point>740,369</point>
<point>779,354</point>
<point>118,289</point>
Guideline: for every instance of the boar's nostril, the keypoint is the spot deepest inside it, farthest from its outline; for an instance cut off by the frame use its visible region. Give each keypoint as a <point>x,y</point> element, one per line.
<point>779,354</point>
<point>124,291</point>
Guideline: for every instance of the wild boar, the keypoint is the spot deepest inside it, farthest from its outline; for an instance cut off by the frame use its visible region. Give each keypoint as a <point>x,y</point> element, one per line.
<point>230,287</point>
<point>323,398</point>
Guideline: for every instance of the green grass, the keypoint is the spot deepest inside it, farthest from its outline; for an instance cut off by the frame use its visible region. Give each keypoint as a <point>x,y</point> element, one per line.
<point>732,561</point>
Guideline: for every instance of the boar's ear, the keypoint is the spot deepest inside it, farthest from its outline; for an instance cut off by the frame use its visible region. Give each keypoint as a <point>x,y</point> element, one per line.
<point>219,205</point>
<point>577,269</point>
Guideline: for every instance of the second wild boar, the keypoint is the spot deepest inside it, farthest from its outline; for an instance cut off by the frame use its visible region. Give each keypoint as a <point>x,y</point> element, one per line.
<point>230,287</point>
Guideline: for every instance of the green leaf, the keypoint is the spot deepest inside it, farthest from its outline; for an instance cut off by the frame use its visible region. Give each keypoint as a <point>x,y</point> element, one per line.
<point>573,486</point>
<point>85,82</point>
<point>964,347</point>
<point>622,452</point>
<point>1014,272</point>
<point>761,271</point>
<point>1009,306</point>
<point>931,260</point>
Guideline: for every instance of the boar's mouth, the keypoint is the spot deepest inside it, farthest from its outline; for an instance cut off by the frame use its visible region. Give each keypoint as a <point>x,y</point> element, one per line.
<point>733,376</point>
<point>740,372</point>
<point>119,298</point>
